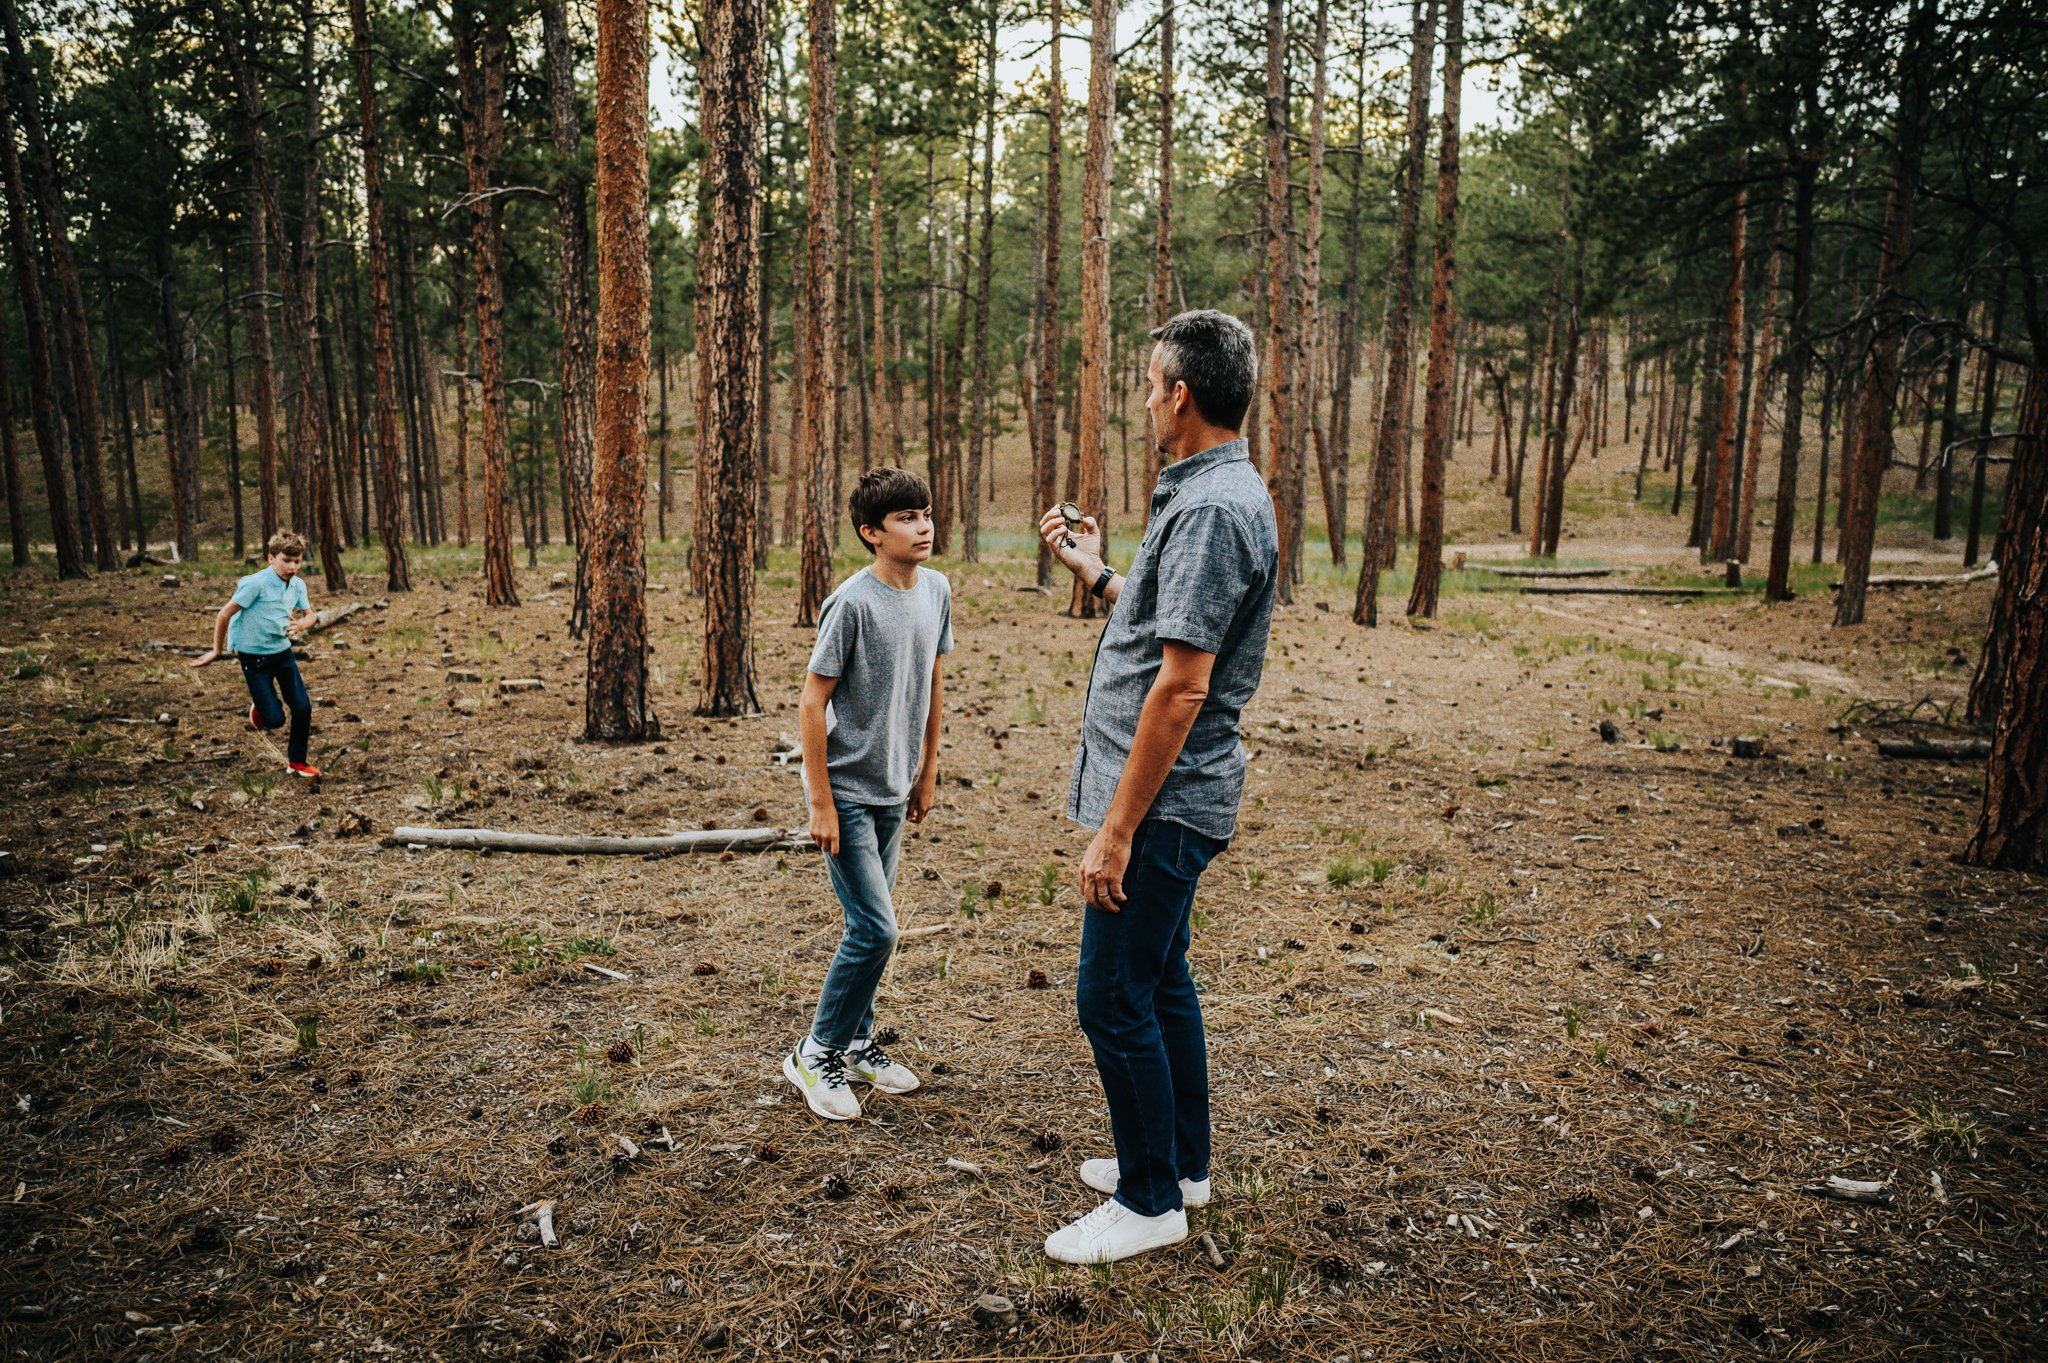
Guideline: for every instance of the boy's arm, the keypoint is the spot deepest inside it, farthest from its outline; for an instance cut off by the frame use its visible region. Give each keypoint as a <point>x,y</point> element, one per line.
<point>925,792</point>
<point>220,634</point>
<point>810,724</point>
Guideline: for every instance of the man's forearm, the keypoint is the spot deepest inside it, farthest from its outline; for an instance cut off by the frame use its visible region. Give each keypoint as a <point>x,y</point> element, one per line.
<point>1163,726</point>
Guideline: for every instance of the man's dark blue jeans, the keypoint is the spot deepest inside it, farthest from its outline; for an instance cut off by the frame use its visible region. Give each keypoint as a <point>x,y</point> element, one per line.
<point>268,674</point>
<point>1140,1013</point>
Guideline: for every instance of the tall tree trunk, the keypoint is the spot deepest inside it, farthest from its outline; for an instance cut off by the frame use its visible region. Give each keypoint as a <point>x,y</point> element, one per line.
<point>1718,543</point>
<point>480,65</point>
<point>1760,389</point>
<point>262,367</point>
<point>10,459</point>
<point>821,329</point>
<point>729,350</point>
<point>69,302</point>
<point>616,705</point>
<point>1092,400</point>
<point>572,295</point>
<point>764,367</point>
<point>463,313</point>
<point>1311,344</point>
<point>1798,358</point>
<point>1398,366</point>
<point>1281,454</point>
<point>1889,322</point>
<point>1552,519</point>
<point>42,379</point>
<point>880,306</point>
<point>1987,411</point>
<point>181,436</point>
<point>978,434</point>
<point>1162,241</point>
<point>2012,829</point>
<point>1443,325</point>
<point>1045,454</point>
<point>390,526</point>
<point>1944,476</point>
<point>227,318</point>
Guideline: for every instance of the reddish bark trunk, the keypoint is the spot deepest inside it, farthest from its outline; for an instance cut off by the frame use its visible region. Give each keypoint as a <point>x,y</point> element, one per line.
<point>1443,324</point>
<point>1092,399</point>
<point>821,330</point>
<point>480,64</point>
<point>390,527</point>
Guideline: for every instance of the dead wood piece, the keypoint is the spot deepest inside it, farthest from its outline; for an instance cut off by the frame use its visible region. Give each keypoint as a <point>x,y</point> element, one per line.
<point>182,650</point>
<point>512,684</point>
<point>627,1148</point>
<point>1210,1250</point>
<point>574,844</point>
<point>607,972</point>
<point>1439,1015</point>
<point>929,930</point>
<point>328,619</point>
<point>959,1165</point>
<point>1606,589</point>
<point>1502,570</point>
<point>1853,1190</point>
<point>1984,574</point>
<point>463,674</point>
<point>541,1214</point>
<point>1936,749</point>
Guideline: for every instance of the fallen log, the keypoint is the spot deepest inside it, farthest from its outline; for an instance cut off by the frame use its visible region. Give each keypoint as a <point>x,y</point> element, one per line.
<point>1936,749</point>
<point>1984,574</point>
<point>1605,589</point>
<point>1502,570</point>
<point>578,844</point>
<point>327,619</point>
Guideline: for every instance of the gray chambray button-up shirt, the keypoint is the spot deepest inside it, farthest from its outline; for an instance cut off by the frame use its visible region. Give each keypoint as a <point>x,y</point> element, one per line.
<point>1204,575</point>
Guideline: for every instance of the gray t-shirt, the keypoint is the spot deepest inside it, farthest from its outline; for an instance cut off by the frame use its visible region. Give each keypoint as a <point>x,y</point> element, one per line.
<point>880,643</point>
<point>1205,574</point>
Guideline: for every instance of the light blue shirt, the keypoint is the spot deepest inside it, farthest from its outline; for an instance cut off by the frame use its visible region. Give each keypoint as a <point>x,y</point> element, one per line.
<point>267,602</point>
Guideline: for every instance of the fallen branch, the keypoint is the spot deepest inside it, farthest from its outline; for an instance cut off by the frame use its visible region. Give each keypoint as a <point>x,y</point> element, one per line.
<point>1936,749</point>
<point>1984,574</point>
<point>928,931</point>
<point>576,844</point>
<point>542,1214</point>
<point>1539,573</point>
<point>328,619</point>
<point>1853,1190</point>
<point>1606,589</point>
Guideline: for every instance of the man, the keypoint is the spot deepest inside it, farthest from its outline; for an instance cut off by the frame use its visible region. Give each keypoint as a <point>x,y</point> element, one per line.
<point>1159,772</point>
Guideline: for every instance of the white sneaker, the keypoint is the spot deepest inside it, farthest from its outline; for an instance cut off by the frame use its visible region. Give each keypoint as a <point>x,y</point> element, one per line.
<point>1101,1175</point>
<point>1113,1231</point>
<point>871,1064</point>
<point>820,1076</point>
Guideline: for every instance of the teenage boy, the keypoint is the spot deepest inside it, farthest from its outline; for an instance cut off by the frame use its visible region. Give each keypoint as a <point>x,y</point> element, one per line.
<point>869,720</point>
<point>1158,774</point>
<point>260,623</point>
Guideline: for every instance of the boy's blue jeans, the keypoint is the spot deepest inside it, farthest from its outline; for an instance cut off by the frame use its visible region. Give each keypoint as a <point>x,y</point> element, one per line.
<point>267,675</point>
<point>1139,1010</point>
<point>863,876</point>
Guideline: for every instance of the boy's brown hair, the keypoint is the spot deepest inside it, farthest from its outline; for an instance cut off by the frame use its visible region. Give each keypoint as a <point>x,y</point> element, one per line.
<point>881,491</point>
<point>290,543</point>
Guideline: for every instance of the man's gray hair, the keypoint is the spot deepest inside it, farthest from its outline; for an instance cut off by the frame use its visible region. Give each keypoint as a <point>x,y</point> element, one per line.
<point>1214,354</point>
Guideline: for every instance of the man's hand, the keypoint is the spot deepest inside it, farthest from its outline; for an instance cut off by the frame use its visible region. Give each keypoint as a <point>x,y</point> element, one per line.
<point>1102,871</point>
<point>1081,553</point>
<point>825,829</point>
<point>923,795</point>
<point>205,658</point>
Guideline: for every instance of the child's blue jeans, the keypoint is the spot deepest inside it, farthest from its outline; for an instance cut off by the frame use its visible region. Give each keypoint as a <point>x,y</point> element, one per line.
<point>1139,1010</point>
<point>267,675</point>
<point>863,876</point>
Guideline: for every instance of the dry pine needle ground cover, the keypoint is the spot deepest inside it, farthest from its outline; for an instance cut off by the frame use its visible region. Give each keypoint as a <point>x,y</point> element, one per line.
<point>1525,1044</point>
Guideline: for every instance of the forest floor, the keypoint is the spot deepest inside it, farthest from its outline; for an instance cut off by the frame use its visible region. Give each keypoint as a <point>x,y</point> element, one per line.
<point>1526,1044</point>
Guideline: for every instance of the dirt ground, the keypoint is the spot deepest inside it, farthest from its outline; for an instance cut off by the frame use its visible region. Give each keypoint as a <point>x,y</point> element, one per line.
<point>1526,1044</point>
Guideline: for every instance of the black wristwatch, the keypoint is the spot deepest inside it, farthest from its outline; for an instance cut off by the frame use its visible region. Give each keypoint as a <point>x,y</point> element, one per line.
<point>1102,583</point>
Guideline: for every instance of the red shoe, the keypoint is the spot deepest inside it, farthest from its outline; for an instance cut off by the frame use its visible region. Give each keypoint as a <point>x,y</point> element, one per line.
<point>254,722</point>
<point>301,769</point>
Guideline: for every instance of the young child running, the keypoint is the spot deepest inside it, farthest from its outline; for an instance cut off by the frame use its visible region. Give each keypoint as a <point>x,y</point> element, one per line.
<point>869,719</point>
<point>260,623</point>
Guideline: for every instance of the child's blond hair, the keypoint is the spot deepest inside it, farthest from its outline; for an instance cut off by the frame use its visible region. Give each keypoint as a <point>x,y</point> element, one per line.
<point>290,543</point>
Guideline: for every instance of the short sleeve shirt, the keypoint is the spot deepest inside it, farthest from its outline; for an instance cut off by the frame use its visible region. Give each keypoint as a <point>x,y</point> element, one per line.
<point>267,603</point>
<point>1205,574</point>
<point>880,642</point>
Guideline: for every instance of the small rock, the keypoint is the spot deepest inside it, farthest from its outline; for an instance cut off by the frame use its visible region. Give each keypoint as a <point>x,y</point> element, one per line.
<point>1746,747</point>
<point>168,720</point>
<point>168,580</point>
<point>1610,732</point>
<point>994,1312</point>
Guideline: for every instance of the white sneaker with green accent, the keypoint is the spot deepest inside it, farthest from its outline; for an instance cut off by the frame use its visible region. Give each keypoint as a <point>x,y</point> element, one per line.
<point>1113,1231</point>
<point>1101,1175</point>
<point>871,1064</point>
<point>820,1075</point>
